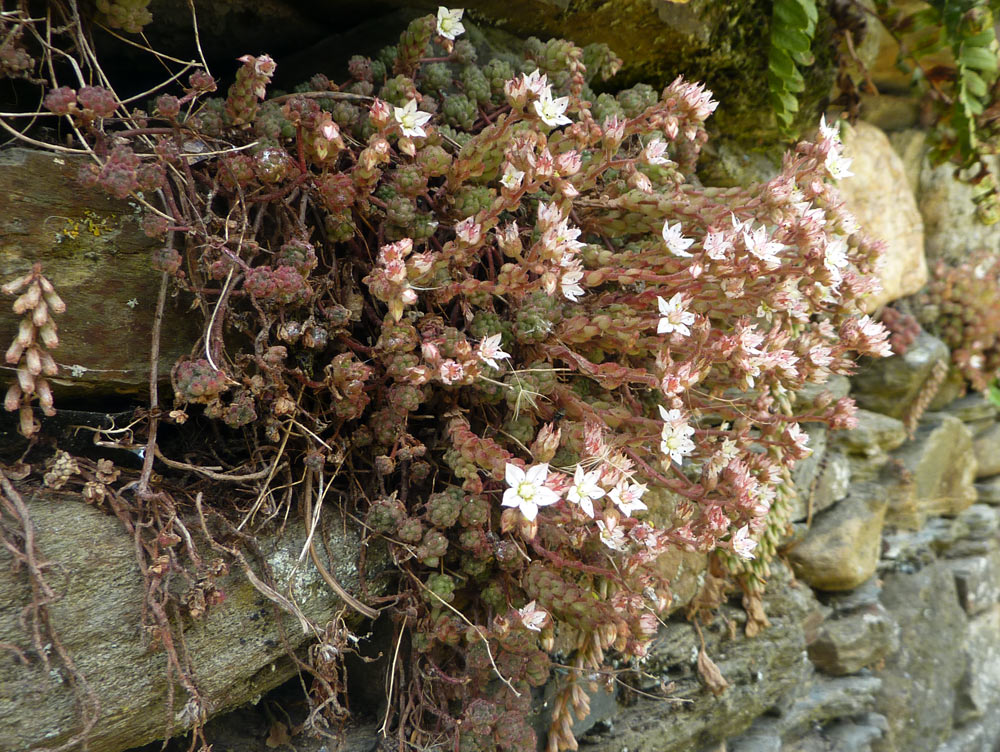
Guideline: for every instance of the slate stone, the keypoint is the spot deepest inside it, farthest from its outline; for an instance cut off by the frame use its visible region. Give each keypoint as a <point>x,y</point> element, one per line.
<point>890,385</point>
<point>847,644</point>
<point>972,407</point>
<point>761,671</point>
<point>919,680</point>
<point>988,490</point>
<point>977,580</point>
<point>237,649</point>
<point>979,691</point>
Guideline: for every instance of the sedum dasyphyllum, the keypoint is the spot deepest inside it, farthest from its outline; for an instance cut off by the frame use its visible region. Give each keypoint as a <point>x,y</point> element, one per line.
<point>546,352</point>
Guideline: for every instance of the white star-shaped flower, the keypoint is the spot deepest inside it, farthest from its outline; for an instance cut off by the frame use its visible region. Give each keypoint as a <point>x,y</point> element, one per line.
<point>411,120</point>
<point>837,165</point>
<point>831,131</point>
<point>532,617</point>
<point>760,245</point>
<point>570,284</point>
<point>512,177</point>
<point>612,536</point>
<point>585,490</point>
<point>552,111</point>
<point>743,544</point>
<point>677,244</point>
<point>654,152</point>
<point>675,436</point>
<point>490,352</point>
<point>449,22</point>
<point>527,489</point>
<point>674,316</point>
<point>716,246</point>
<point>626,497</point>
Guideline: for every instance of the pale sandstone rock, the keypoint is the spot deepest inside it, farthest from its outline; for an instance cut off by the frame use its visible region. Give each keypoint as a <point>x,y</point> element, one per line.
<point>880,197</point>
<point>841,549</point>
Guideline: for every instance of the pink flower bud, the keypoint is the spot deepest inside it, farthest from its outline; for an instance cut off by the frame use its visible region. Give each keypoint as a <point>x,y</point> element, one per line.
<point>14,352</point>
<point>546,443</point>
<point>49,367</point>
<point>40,316</point>
<point>407,146</point>
<point>29,299</point>
<point>12,400</point>
<point>26,380</point>
<point>568,163</point>
<point>29,426</point>
<point>49,337</point>
<point>380,113</point>
<point>44,392</point>
<point>32,361</point>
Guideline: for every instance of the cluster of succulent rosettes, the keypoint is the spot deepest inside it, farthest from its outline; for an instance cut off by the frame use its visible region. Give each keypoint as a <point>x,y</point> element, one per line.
<point>128,15</point>
<point>15,61</point>
<point>37,333</point>
<point>551,355</point>
<point>959,305</point>
<point>904,327</point>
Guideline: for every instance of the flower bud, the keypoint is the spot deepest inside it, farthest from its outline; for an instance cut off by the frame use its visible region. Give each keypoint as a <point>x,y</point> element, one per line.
<point>407,146</point>
<point>12,400</point>
<point>29,299</point>
<point>29,426</point>
<point>14,352</point>
<point>49,336</point>
<point>510,240</point>
<point>26,380</point>
<point>44,392</point>
<point>32,361</point>
<point>52,298</point>
<point>547,640</point>
<point>379,113</point>
<point>49,367</point>
<point>40,315</point>
<point>15,285</point>
<point>509,519</point>
<point>528,528</point>
<point>546,443</point>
